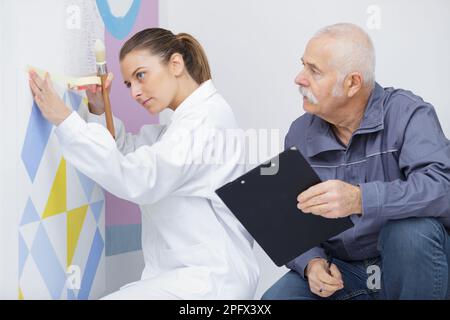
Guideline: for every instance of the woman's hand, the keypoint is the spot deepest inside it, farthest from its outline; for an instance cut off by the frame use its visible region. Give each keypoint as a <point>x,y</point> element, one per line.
<point>49,102</point>
<point>95,97</point>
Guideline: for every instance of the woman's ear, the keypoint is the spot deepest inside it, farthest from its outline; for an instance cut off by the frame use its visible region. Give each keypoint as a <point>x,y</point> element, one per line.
<point>176,64</point>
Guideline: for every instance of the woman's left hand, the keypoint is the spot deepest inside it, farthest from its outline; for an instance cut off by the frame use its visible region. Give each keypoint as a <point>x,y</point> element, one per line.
<point>51,105</point>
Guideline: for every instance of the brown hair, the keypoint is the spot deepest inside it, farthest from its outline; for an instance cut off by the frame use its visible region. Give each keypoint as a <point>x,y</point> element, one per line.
<point>164,43</point>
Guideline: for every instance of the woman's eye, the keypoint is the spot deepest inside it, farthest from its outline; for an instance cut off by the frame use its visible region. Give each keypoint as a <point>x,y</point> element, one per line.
<point>140,75</point>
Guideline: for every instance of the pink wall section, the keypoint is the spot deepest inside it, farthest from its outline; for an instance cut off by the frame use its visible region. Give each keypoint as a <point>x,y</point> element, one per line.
<point>120,212</point>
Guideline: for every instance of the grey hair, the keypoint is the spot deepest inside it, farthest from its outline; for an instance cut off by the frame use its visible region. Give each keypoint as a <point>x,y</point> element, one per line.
<point>354,51</point>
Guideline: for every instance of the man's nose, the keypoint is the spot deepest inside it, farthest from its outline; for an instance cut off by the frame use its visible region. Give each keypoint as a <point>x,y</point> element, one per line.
<point>301,80</point>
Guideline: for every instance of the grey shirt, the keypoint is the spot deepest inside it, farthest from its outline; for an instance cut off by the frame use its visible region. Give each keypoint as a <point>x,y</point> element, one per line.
<point>399,157</point>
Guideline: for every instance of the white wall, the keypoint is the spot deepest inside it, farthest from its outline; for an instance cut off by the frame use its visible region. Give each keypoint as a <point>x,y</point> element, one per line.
<point>122,269</point>
<point>29,37</point>
<point>3,265</point>
<point>254,48</point>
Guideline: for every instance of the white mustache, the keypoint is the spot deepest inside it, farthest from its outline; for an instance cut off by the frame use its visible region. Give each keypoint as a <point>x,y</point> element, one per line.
<point>308,95</point>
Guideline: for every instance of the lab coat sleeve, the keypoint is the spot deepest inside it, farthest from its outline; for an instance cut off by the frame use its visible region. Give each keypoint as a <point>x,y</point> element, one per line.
<point>143,176</point>
<point>128,142</point>
<point>424,158</point>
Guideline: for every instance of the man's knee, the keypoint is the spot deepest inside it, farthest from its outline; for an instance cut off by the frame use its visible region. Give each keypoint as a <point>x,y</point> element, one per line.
<point>410,236</point>
<point>271,294</point>
<point>413,256</point>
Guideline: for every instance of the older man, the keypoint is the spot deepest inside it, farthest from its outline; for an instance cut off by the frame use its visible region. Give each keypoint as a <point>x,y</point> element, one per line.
<point>385,162</point>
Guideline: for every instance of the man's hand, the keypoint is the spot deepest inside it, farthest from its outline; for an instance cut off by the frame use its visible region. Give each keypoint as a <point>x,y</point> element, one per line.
<point>323,281</point>
<point>51,105</point>
<point>331,199</point>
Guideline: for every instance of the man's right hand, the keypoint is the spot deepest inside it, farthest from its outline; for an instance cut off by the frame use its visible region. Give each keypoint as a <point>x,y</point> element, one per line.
<point>95,97</point>
<point>323,281</point>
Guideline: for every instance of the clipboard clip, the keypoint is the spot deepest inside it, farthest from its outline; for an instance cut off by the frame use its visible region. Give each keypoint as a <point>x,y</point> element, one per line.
<point>271,167</point>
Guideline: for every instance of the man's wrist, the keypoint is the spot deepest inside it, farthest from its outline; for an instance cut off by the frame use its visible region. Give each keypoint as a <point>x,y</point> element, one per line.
<point>308,266</point>
<point>358,200</point>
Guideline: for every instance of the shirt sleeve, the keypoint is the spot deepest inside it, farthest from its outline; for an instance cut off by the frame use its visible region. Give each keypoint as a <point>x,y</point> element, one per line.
<point>128,142</point>
<point>424,159</point>
<point>300,263</point>
<point>143,176</point>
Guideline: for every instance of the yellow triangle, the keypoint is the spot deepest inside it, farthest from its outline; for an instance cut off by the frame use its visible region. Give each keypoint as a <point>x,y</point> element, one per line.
<point>75,219</point>
<point>57,201</point>
<point>20,294</point>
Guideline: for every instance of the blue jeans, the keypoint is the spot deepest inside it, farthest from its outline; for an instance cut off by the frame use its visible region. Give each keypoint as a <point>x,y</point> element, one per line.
<point>414,263</point>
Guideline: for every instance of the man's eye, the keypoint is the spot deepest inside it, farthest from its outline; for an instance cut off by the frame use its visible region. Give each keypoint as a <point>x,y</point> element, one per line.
<point>315,72</point>
<point>128,85</point>
<point>140,75</point>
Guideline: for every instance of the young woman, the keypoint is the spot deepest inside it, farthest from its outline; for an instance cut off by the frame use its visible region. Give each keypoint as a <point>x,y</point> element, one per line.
<point>194,248</point>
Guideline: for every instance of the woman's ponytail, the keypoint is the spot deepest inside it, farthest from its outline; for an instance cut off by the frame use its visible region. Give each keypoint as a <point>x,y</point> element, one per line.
<point>195,58</point>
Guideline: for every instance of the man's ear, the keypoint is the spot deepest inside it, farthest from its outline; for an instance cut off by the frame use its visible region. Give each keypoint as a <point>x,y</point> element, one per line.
<point>353,83</point>
<point>176,64</point>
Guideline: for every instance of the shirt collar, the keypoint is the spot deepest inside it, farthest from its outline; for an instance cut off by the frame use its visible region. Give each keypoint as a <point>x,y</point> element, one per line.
<point>202,93</point>
<point>373,119</point>
<point>321,138</point>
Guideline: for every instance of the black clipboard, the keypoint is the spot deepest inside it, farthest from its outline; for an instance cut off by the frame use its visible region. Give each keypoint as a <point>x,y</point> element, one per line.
<point>264,200</point>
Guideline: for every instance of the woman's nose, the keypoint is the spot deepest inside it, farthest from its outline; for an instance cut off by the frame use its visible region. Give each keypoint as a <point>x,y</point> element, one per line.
<point>135,91</point>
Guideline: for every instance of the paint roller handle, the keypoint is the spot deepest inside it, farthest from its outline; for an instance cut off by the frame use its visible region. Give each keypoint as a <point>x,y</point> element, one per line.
<point>107,106</point>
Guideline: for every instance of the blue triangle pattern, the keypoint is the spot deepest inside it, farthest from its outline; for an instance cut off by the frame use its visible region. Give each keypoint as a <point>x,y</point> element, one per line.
<point>86,183</point>
<point>75,99</point>
<point>23,254</point>
<point>36,138</point>
<point>94,258</point>
<point>48,264</point>
<point>30,214</point>
<point>96,208</point>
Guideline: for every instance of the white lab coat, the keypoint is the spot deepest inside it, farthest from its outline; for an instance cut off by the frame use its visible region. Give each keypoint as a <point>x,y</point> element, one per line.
<point>193,246</point>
